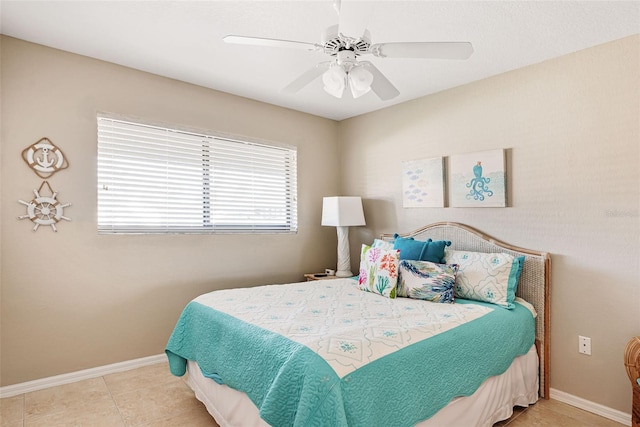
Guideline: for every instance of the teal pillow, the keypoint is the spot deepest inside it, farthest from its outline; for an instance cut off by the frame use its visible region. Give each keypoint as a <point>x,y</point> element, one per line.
<point>409,247</point>
<point>514,277</point>
<point>419,250</point>
<point>434,251</point>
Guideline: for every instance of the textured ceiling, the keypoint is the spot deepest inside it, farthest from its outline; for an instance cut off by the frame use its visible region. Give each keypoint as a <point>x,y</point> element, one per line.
<point>183,40</point>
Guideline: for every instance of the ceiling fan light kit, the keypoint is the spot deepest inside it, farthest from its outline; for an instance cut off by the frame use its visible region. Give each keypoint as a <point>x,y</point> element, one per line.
<point>334,79</point>
<point>360,81</point>
<point>344,69</point>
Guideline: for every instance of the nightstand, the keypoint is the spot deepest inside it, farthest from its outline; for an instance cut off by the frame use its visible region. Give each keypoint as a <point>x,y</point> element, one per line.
<point>319,276</point>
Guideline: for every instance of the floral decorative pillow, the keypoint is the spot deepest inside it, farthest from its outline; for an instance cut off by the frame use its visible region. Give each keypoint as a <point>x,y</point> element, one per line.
<point>489,277</point>
<point>427,280</point>
<point>379,271</point>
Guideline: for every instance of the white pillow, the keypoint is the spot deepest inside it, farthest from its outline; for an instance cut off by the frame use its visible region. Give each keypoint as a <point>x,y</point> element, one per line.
<point>382,244</point>
<point>488,277</point>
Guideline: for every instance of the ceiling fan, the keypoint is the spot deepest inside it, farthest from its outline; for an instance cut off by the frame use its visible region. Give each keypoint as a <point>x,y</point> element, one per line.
<point>345,69</point>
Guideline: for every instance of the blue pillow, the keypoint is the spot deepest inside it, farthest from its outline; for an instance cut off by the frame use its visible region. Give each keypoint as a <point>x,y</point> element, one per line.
<point>419,250</point>
<point>409,247</point>
<point>514,277</point>
<point>434,251</point>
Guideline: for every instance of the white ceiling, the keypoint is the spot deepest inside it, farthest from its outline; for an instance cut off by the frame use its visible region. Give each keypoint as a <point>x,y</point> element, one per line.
<point>183,40</point>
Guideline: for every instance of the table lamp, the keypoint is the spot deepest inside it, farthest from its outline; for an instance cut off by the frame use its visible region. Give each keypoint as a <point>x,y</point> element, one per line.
<point>342,213</point>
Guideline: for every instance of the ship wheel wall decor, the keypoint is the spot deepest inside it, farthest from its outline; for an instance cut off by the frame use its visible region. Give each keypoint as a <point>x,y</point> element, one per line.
<point>44,210</point>
<point>44,158</point>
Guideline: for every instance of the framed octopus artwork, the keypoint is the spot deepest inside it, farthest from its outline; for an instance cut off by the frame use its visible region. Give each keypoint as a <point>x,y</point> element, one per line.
<point>477,179</point>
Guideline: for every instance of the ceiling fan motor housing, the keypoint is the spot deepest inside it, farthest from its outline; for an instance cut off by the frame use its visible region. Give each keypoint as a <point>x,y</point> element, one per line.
<point>346,58</point>
<point>333,42</point>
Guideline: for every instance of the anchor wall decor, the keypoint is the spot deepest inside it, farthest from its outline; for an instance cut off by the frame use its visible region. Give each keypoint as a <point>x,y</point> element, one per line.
<point>44,158</point>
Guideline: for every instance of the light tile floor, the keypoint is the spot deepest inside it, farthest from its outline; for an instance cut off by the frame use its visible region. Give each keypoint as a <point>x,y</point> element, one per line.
<point>151,397</point>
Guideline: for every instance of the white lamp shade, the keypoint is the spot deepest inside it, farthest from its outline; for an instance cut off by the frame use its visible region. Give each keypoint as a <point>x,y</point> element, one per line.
<point>342,211</point>
<point>335,81</point>
<point>360,80</point>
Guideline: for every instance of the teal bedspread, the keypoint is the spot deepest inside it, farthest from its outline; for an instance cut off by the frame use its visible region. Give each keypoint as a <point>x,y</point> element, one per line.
<point>293,386</point>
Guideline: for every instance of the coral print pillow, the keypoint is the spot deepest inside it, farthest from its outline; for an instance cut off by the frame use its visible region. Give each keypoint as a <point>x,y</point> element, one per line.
<point>489,277</point>
<point>427,280</point>
<point>379,270</point>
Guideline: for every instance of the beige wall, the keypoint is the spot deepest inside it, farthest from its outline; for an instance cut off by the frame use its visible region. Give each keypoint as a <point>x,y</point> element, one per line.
<point>73,300</point>
<point>571,128</point>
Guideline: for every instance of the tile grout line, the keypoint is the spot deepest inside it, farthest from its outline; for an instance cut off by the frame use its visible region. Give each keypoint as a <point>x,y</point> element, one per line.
<point>124,424</point>
<point>24,409</point>
<point>517,415</point>
<point>61,410</point>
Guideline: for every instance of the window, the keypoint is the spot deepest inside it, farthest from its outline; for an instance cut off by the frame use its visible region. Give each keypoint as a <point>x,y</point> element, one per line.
<point>158,180</point>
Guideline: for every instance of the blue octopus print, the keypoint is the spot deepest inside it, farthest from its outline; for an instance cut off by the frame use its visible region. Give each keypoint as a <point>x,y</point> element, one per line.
<point>478,184</point>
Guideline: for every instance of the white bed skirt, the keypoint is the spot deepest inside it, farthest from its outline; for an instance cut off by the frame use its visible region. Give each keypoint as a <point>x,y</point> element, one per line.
<point>492,402</point>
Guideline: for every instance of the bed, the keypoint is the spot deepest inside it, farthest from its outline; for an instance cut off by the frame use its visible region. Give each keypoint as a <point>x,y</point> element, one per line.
<point>326,353</point>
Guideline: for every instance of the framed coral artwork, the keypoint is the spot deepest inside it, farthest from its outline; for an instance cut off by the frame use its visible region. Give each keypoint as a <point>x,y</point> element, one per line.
<point>423,183</point>
<point>477,179</point>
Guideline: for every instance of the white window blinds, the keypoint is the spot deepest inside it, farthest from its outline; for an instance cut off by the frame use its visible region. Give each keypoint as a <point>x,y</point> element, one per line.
<point>159,180</point>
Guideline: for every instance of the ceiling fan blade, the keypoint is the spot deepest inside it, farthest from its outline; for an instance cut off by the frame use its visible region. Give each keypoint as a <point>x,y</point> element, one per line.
<point>260,41</point>
<point>381,86</point>
<point>307,77</point>
<point>353,17</point>
<point>434,50</point>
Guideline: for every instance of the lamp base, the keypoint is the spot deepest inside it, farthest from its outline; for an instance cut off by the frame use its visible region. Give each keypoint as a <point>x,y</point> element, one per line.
<point>344,273</point>
<point>344,260</point>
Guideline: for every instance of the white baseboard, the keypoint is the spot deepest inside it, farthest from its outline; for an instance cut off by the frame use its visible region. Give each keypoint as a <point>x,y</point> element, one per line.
<point>592,407</point>
<point>16,389</point>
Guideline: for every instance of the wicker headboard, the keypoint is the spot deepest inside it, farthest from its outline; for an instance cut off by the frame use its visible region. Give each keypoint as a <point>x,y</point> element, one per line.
<point>533,287</point>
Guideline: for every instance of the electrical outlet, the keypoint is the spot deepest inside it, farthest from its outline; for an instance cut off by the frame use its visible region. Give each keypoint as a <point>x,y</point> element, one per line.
<point>584,345</point>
